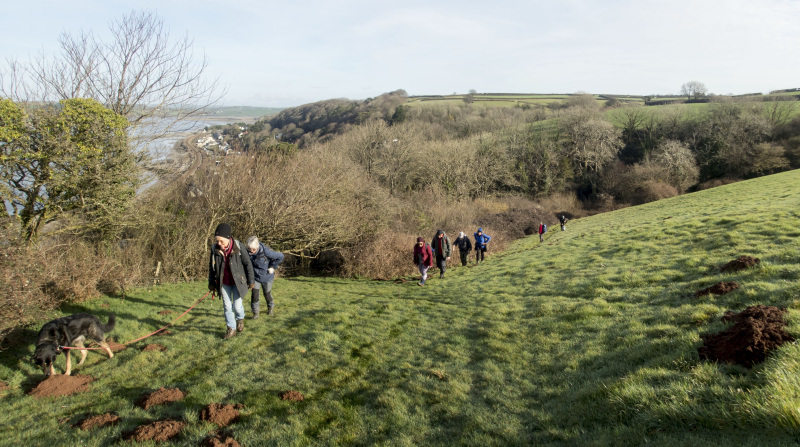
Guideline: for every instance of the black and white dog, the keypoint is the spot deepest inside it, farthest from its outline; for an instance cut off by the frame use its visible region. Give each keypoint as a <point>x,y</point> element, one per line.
<point>70,331</point>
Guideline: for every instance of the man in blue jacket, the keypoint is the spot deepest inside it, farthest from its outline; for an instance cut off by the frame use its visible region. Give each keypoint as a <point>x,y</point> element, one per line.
<point>264,261</point>
<point>480,245</point>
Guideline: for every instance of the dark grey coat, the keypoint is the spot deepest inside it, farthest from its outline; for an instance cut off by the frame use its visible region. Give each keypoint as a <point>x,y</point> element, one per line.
<point>241,268</point>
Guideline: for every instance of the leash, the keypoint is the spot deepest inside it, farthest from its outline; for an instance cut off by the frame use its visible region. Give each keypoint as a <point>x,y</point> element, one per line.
<point>152,333</point>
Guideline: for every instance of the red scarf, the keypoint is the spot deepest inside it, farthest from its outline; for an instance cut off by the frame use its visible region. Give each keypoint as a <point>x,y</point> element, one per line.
<point>227,276</point>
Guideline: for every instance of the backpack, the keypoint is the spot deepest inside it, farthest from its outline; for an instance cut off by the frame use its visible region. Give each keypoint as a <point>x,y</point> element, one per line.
<point>544,227</point>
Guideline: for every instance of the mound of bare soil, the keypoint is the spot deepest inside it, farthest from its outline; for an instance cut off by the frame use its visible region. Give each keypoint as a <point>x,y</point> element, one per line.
<point>116,347</point>
<point>165,332</point>
<point>159,431</point>
<point>97,421</point>
<point>219,440</point>
<point>720,288</point>
<point>740,263</point>
<point>222,415</point>
<point>165,312</point>
<point>292,395</point>
<point>4,386</point>
<point>756,331</point>
<point>161,396</point>
<point>61,385</point>
<point>155,347</point>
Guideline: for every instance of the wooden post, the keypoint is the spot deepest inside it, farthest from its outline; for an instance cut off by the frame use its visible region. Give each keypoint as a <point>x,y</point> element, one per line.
<point>158,270</point>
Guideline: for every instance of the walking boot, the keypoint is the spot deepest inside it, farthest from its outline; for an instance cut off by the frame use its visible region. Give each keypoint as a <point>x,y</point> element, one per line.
<point>239,325</point>
<point>230,333</point>
<point>255,315</point>
<point>270,311</point>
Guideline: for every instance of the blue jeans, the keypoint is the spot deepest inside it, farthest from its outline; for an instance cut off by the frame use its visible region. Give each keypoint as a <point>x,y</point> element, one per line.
<point>232,304</point>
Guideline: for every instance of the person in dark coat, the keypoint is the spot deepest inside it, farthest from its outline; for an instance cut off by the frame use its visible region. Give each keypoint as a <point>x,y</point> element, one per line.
<point>441,251</point>
<point>265,261</point>
<point>563,221</point>
<point>464,247</point>
<point>230,275</point>
<point>423,259</point>
<point>481,240</point>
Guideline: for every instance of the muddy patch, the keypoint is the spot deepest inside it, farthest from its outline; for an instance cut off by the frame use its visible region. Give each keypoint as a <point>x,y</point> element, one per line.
<point>756,331</point>
<point>97,421</point>
<point>740,263</point>
<point>219,440</point>
<point>720,288</point>
<point>292,395</point>
<point>114,346</point>
<point>222,415</point>
<point>61,385</point>
<point>155,347</point>
<point>165,332</point>
<point>161,396</point>
<point>159,431</point>
<point>165,312</point>
<point>4,387</point>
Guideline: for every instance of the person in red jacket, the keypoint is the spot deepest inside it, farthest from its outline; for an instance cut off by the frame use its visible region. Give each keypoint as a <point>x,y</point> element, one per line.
<point>423,258</point>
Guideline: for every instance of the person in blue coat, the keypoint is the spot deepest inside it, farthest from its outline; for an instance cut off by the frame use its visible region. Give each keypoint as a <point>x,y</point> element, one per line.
<point>480,245</point>
<point>264,261</point>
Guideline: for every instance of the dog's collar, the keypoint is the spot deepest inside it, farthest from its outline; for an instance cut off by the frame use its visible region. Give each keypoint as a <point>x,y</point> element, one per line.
<point>59,348</point>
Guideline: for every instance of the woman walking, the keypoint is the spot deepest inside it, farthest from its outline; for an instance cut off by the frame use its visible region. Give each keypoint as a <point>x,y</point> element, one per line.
<point>423,259</point>
<point>265,261</point>
<point>230,274</point>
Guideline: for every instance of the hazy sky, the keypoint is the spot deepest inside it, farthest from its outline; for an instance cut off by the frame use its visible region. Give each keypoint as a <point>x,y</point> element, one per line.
<point>291,52</point>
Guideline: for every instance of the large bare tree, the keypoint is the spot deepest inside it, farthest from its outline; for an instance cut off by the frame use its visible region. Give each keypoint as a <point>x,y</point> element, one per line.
<point>694,89</point>
<point>140,72</point>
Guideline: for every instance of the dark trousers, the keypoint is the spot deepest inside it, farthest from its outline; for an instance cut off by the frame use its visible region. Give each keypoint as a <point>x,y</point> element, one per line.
<point>479,254</point>
<point>464,255</point>
<point>440,264</point>
<point>255,301</point>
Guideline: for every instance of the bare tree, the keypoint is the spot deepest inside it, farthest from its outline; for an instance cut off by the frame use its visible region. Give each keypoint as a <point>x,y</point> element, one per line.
<point>140,73</point>
<point>694,89</point>
<point>678,162</point>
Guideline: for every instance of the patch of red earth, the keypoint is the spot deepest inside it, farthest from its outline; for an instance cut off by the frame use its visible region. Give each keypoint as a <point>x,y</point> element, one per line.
<point>222,415</point>
<point>720,288</point>
<point>114,346</point>
<point>292,395</point>
<point>165,312</point>
<point>61,385</point>
<point>155,347</point>
<point>740,263</point>
<point>4,386</point>
<point>164,332</point>
<point>219,440</point>
<point>161,396</point>
<point>97,421</point>
<point>158,431</point>
<point>756,331</point>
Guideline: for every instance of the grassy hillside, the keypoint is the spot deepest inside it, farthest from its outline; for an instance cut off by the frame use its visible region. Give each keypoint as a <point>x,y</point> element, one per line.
<point>589,338</point>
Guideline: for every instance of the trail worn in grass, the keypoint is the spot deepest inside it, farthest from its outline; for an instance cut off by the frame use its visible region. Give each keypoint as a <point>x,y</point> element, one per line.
<point>589,338</point>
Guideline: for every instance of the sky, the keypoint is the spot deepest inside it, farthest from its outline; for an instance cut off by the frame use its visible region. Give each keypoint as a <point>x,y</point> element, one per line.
<point>291,52</point>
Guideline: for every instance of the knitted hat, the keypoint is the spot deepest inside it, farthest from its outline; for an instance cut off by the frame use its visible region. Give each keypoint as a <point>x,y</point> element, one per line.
<point>420,239</point>
<point>223,230</point>
<point>480,230</point>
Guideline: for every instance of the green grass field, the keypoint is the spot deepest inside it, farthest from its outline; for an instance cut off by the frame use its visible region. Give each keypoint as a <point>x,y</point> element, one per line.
<point>589,338</point>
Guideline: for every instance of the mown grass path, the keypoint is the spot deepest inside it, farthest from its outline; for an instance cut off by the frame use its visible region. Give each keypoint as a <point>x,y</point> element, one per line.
<point>589,338</point>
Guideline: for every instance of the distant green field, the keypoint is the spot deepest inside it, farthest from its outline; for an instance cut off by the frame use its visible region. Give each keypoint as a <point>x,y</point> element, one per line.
<point>589,338</point>
<point>507,100</point>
